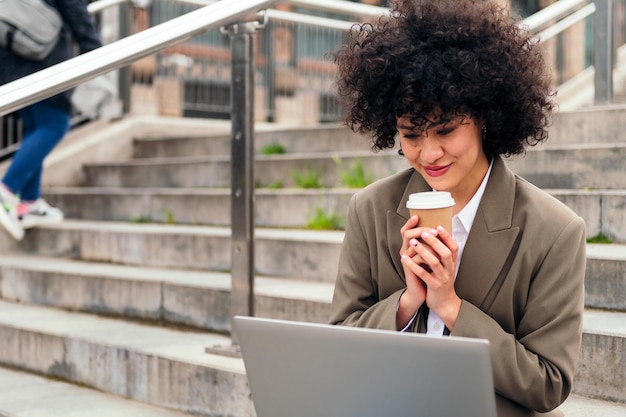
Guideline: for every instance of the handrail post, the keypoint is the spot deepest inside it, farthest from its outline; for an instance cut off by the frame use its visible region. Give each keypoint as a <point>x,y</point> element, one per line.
<point>242,170</point>
<point>603,47</point>
<point>125,74</point>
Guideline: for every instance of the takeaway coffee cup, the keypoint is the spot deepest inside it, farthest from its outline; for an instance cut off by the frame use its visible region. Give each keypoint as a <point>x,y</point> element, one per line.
<point>434,208</point>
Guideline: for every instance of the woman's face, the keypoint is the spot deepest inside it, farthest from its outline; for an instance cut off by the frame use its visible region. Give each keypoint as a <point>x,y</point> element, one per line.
<point>448,155</point>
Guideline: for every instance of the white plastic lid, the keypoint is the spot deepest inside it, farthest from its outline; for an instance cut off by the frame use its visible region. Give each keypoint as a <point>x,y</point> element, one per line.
<point>430,200</point>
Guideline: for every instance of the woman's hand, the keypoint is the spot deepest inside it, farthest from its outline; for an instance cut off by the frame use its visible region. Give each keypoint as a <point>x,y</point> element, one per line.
<point>415,293</point>
<point>439,252</point>
<point>431,261</point>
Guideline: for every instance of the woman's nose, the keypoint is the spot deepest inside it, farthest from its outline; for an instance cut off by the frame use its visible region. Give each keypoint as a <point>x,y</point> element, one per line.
<point>431,150</point>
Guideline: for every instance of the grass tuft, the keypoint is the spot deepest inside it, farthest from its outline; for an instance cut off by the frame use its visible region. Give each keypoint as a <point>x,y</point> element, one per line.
<point>273,149</point>
<point>354,176</point>
<point>599,238</point>
<point>322,220</point>
<point>308,179</point>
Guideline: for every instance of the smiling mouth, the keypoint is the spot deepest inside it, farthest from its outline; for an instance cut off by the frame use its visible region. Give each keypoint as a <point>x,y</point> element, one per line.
<point>436,171</point>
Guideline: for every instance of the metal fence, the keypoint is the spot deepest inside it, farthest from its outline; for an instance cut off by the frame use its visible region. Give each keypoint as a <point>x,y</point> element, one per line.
<point>10,135</point>
<point>293,79</point>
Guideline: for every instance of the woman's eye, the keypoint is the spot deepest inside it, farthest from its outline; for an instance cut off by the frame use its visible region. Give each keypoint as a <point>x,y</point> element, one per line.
<point>444,132</point>
<point>410,136</point>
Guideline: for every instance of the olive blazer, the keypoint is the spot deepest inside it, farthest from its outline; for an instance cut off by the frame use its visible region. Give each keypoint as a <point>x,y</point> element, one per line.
<point>521,280</point>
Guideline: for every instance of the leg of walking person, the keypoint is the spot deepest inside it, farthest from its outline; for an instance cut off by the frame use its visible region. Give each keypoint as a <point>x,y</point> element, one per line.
<point>45,125</point>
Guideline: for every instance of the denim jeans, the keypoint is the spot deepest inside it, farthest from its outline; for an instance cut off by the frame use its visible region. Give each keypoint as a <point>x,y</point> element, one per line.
<point>44,127</point>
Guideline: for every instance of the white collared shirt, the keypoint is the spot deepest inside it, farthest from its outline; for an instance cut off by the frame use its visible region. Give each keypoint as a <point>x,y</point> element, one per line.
<point>461,226</point>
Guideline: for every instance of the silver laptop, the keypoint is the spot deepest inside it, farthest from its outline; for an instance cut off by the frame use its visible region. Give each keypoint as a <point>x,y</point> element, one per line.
<point>298,369</point>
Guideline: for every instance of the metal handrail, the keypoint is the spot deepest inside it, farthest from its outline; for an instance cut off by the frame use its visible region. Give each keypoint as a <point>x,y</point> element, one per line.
<point>567,22</point>
<point>100,5</point>
<point>555,11</point>
<point>323,22</point>
<point>341,6</point>
<point>53,80</point>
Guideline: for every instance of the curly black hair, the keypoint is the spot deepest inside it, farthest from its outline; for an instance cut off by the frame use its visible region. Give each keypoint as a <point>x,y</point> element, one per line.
<point>449,58</point>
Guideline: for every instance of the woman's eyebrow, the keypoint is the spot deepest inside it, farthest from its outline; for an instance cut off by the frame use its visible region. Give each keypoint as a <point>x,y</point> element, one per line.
<point>429,125</point>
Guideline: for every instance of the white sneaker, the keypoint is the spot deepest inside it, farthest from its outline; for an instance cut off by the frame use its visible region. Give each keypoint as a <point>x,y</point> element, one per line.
<point>38,213</point>
<point>8,214</point>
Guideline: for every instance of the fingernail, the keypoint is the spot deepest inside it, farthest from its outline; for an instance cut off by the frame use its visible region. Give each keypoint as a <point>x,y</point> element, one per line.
<point>413,242</point>
<point>405,257</point>
<point>440,229</point>
<point>426,235</point>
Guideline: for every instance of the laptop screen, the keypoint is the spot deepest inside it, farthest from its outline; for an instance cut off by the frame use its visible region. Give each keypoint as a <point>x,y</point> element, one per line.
<point>298,369</point>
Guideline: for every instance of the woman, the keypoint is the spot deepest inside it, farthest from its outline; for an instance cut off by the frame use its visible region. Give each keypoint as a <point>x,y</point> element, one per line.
<point>45,123</point>
<point>460,84</point>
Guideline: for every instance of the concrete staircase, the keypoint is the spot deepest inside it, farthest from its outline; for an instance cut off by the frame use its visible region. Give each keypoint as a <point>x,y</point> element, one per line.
<point>117,304</point>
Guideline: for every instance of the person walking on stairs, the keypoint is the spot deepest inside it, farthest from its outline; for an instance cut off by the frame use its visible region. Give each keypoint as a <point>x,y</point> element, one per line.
<point>45,123</point>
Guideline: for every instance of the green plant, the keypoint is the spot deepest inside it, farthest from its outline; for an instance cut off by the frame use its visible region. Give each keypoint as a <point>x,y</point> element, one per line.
<point>322,220</point>
<point>354,176</point>
<point>599,238</point>
<point>273,149</point>
<point>169,216</point>
<point>308,179</point>
<point>141,219</point>
<point>275,185</point>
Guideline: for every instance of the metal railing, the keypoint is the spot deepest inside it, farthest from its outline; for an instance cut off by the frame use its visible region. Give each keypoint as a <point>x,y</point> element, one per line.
<point>60,77</point>
<point>606,29</point>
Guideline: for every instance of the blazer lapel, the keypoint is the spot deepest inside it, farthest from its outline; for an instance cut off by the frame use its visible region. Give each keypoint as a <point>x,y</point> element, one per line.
<point>490,242</point>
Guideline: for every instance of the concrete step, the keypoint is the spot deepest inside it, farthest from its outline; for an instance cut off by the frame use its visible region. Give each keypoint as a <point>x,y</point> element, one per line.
<point>309,255</point>
<point>603,124</point>
<point>140,362</point>
<point>290,207</point>
<point>29,395</point>
<point>598,124</point>
<point>159,366</point>
<point>215,171</point>
<point>605,279</point>
<point>586,166</point>
<point>198,299</point>
<point>202,298</point>
<point>577,406</point>
<point>324,138</point>
<point>287,253</point>
<point>602,209</point>
<point>601,371</point>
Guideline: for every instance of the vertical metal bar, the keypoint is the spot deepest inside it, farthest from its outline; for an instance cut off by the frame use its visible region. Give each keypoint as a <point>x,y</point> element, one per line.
<point>124,74</point>
<point>561,69</point>
<point>242,170</point>
<point>271,71</point>
<point>603,46</point>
